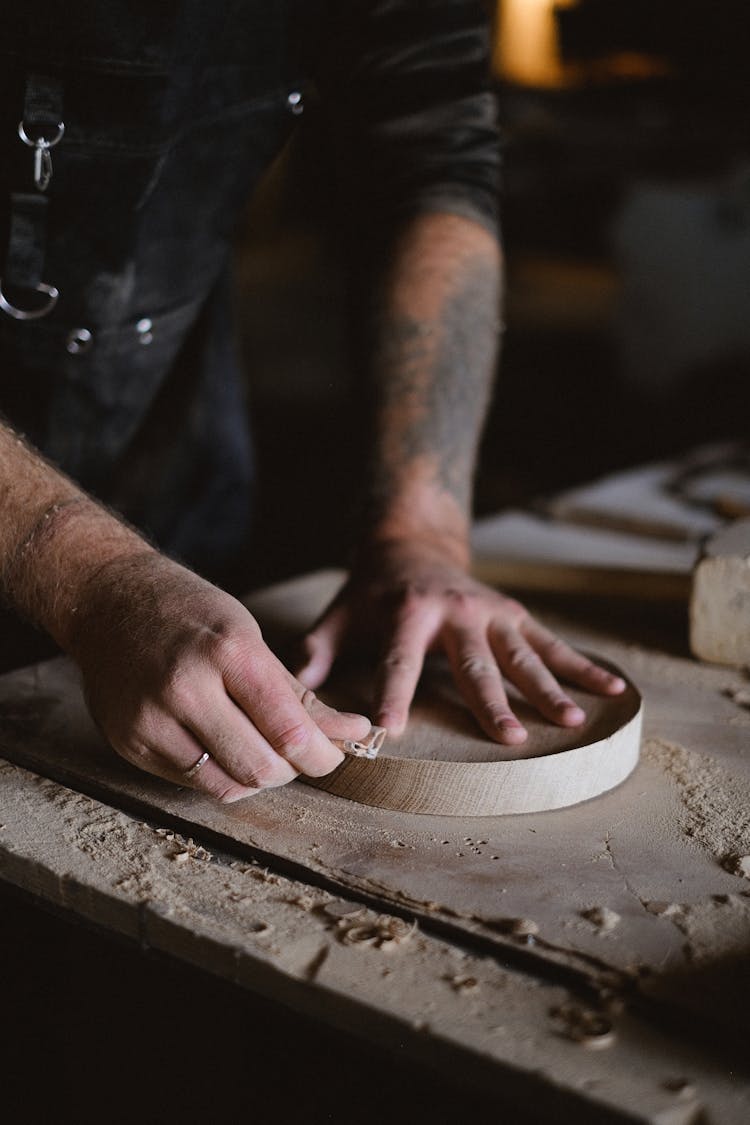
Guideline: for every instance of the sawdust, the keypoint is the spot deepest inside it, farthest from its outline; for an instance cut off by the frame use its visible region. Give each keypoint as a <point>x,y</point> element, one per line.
<point>716,927</point>
<point>716,805</point>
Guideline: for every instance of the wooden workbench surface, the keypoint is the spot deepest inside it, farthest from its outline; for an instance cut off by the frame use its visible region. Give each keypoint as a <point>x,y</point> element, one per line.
<point>635,915</point>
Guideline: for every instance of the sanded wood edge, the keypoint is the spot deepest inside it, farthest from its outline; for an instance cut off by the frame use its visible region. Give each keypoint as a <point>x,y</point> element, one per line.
<point>500,788</point>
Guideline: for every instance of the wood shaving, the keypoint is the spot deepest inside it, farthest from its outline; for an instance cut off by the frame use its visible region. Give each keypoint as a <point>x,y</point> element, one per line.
<point>305,902</point>
<point>739,865</point>
<point>585,1026</point>
<point>664,909</point>
<point>384,932</point>
<point>602,917</point>
<point>463,983</point>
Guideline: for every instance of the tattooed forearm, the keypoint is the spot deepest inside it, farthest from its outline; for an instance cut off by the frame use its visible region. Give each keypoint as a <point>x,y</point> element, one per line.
<point>433,365</point>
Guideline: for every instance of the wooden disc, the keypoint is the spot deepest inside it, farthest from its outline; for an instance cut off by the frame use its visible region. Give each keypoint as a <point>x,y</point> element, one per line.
<point>444,764</point>
<point>444,767</point>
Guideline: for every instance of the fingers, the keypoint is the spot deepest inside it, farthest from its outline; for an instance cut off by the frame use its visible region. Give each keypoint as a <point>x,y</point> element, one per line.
<point>400,669</point>
<point>566,662</point>
<point>178,750</point>
<point>262,688</point>
<point>525,668</point>
<point>321,646</point>
<point>334,724</point>
<point>479,680</point>
<point>236,744</point>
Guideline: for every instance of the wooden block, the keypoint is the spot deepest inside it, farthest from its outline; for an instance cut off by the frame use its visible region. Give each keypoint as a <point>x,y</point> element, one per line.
<point>720,600</point>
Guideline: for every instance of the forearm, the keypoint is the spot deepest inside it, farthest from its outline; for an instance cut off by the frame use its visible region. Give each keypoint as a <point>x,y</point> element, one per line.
<point>53,538</point>
<point>435,347</point>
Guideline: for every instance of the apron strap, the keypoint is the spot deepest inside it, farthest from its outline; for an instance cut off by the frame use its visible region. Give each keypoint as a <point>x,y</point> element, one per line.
<point>40,129</point>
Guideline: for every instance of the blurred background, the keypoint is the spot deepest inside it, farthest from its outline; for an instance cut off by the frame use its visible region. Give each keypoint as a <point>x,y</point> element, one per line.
<point>626,220</point>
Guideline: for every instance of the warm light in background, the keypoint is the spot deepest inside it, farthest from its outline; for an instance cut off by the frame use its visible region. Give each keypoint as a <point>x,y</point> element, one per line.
<point>526,45</point>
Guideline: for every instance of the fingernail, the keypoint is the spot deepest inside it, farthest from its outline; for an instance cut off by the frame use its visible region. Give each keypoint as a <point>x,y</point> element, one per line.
<point>571,714</point>
<point>512,733</point>
<point>392,721</point>
<point>363,723</point>
<point>609,681</point>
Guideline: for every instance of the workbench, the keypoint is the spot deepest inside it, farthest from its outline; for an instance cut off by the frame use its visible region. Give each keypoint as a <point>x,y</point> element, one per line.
<point>588,964</point>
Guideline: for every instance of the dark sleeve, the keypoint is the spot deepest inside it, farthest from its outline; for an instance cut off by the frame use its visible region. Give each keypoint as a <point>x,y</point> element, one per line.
<point>406,91</point>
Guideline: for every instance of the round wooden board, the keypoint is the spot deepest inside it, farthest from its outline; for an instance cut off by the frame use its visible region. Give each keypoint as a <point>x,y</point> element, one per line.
<point>445,766</point>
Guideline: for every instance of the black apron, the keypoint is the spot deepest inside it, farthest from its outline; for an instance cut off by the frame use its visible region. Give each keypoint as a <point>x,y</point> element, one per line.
<point>171,112</point>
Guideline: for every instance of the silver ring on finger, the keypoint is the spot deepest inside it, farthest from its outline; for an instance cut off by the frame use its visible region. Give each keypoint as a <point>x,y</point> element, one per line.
<point>187,774</point>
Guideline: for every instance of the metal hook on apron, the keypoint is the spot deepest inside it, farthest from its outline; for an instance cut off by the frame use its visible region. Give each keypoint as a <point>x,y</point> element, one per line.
<point>42,157</point>
<point>40,128</point>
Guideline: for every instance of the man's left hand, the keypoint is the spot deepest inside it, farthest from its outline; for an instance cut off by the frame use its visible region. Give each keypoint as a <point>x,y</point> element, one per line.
<point>409,598</point>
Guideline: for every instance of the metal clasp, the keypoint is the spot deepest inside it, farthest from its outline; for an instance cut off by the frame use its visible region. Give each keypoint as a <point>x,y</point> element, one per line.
<point>30,314</point>
<point>42,157</point>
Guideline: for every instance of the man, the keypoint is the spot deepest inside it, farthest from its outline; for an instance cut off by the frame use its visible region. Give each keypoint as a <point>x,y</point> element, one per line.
<point>142,129</point>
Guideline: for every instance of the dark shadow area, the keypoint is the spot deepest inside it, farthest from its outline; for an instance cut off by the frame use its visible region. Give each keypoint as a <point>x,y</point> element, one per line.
<point>95,1030</point>
<point>715,995</point>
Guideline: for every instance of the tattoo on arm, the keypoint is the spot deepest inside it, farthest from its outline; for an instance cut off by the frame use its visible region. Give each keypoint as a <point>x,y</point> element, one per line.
<point>433,384</point>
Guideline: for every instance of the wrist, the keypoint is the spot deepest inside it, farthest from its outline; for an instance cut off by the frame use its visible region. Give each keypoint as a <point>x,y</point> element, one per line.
<point>419,517</point>
<point>51,571</point>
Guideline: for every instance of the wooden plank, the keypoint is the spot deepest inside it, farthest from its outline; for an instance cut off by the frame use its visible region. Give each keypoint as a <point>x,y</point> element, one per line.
<point>528,552</point>
<point>663,837</point>
<point>363,972</point>
<point>637,500</point>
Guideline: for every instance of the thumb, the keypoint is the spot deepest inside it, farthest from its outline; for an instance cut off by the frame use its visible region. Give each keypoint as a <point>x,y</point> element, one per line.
<point>321,647</point>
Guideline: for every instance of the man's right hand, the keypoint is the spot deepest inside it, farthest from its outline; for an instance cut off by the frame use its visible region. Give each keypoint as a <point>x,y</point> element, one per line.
<point>173,666</point>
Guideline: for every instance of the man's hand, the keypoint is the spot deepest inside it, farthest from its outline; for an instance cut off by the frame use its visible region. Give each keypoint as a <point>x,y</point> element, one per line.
<point>173,666</point>
<point>410,598</point>
<point>435,337</point>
